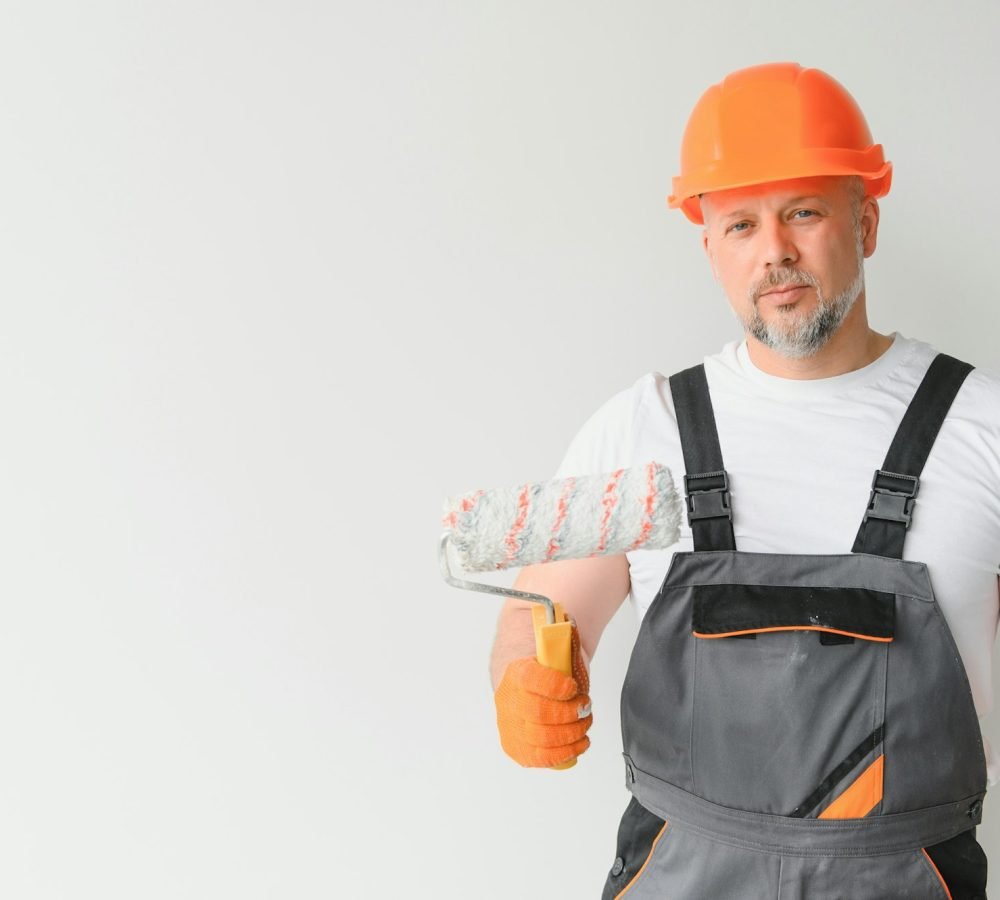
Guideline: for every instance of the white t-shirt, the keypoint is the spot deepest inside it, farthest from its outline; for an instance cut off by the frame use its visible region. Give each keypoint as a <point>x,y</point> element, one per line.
<point>801,455</point>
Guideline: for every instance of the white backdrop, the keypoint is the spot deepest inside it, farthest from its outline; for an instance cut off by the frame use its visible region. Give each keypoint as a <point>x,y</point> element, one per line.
<point>277,277</point>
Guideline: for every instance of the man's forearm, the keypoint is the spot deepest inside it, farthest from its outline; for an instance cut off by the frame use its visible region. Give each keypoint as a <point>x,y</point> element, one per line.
<point>515,639</point>
<point>590,591</point>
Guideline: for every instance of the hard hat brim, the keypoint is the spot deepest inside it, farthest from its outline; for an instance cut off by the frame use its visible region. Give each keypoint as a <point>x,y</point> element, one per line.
<point>867,164</point>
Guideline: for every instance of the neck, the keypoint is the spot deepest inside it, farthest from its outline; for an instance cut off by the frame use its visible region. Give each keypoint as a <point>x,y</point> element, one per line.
<point>853,346</point>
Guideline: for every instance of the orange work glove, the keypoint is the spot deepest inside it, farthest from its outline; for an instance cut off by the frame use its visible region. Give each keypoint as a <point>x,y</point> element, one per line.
<point>543,715</point>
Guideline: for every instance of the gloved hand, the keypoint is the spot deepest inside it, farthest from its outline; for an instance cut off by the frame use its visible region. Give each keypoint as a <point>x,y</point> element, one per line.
<point>543,715</point>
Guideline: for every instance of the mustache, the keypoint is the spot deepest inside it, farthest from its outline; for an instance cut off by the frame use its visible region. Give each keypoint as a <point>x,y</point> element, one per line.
<point>781,278</point>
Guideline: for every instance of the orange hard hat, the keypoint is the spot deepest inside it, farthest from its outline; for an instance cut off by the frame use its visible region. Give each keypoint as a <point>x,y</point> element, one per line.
<point>770,123</point>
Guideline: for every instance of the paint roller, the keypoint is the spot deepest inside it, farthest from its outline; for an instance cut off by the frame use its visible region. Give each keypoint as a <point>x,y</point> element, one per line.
<point>570,518</point>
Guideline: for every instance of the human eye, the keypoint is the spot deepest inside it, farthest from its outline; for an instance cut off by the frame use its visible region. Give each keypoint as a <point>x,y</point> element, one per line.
<point>738,227</point>
<point>804,214</point>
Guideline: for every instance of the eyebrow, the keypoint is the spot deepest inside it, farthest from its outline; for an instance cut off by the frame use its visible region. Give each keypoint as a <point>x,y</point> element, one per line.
<point>816,197</point>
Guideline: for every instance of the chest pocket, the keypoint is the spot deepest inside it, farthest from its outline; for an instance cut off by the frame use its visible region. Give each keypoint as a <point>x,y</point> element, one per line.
<point>789,689</point>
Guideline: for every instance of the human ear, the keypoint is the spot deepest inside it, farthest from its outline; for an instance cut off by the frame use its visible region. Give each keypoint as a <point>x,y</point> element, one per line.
<point>869,225</point>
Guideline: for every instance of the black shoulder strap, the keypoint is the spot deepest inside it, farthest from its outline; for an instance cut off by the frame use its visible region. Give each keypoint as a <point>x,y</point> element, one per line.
<point>895,485</point>
<point>706,484</point>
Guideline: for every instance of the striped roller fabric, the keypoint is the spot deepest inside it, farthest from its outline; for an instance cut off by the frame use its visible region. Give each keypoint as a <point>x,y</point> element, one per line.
<point>567,518</point>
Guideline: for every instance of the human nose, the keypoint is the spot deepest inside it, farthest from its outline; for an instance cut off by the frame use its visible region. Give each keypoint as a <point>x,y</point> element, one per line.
<point>777,248</point>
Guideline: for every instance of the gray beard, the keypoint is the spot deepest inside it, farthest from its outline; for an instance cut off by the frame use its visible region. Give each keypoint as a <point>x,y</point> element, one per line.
<point>795,335</point>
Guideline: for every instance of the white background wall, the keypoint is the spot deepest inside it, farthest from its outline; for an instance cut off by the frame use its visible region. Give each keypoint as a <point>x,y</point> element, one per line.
<point>276,278</point>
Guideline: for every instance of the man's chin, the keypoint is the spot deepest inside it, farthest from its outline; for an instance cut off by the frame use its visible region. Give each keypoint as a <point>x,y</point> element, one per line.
<point>793,343</point>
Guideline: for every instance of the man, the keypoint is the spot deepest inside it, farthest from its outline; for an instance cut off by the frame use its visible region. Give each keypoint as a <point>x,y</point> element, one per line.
<point>796,719</point>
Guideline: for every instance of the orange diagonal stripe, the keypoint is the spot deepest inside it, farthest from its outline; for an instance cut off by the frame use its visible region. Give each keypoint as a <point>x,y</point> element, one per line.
<point>861,797</point>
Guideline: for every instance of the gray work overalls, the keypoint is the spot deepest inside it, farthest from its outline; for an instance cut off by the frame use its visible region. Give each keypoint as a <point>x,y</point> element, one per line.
<point>800,726</point>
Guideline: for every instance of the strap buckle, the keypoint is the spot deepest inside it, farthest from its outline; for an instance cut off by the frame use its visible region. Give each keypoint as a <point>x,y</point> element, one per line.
<point>892,497</point>
<point>707,496</point>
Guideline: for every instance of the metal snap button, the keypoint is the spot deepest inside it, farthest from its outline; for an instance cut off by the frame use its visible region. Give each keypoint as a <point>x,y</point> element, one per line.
<point>618,867</point>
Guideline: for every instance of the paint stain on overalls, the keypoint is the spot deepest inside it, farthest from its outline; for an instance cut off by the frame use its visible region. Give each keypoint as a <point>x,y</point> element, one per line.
<point>800,727</point>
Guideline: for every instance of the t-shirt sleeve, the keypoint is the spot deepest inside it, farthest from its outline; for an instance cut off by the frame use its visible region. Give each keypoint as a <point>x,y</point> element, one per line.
<point>605,442</point>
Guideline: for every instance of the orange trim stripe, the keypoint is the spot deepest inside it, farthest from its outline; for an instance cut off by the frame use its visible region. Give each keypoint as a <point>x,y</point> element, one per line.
<point>937,872</point>
<point>635,877</point>
<point>863,795</point>
<point>864,637</point>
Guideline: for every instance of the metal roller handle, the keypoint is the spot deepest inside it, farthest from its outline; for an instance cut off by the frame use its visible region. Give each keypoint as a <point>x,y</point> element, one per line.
<point>550,610</point>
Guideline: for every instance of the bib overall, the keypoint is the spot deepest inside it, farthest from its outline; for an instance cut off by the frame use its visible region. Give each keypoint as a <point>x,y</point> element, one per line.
<point>800,726</point>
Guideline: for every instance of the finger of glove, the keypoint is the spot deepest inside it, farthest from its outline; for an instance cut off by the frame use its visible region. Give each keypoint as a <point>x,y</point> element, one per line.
<point>514,701</point>
<point>544,757</point>
<point>531,676</point>
<point>554,735</point>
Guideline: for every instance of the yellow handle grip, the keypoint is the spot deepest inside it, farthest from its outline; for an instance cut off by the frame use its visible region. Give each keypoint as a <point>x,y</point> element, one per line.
<point>554,647</point>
